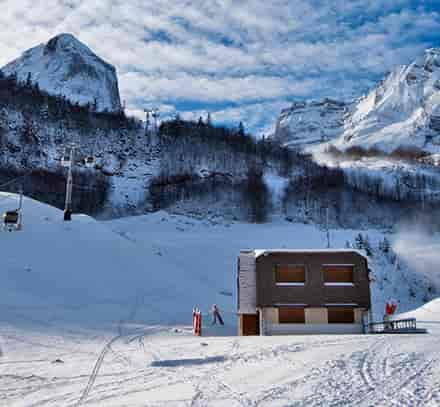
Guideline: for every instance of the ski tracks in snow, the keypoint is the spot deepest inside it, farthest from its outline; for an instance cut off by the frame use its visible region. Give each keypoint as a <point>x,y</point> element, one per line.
<point>211,388</point>
<point>363,371</point>
<point>378,374</point>
<point>108,347</point>
<point>375,376</point>
<point>95,370</point>
<point>372,366</point>
<point>209,384</point>
<point>397,379</point>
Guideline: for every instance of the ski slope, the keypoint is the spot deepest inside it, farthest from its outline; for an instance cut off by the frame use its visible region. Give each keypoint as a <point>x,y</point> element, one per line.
<point>99,314</point>
<point>148,368</point>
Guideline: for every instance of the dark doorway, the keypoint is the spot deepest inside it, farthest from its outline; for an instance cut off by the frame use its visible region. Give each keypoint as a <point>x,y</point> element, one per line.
<point>251,324</point>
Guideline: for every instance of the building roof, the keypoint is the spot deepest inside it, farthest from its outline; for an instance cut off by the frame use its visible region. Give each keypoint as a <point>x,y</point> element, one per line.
<point>259,252</point>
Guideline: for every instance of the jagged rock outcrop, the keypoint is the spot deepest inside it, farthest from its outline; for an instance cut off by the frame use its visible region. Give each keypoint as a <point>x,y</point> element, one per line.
<point>311,122</point>
<point>65,66</point>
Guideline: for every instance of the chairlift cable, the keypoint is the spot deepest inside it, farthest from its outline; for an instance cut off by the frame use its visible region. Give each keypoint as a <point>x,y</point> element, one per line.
<point>13,180</point>
<point>85,188</point>
<point>95,144</point>
<point>5,198</point>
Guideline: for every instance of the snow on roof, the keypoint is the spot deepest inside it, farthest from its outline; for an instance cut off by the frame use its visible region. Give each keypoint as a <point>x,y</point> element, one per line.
<point>260,252</point>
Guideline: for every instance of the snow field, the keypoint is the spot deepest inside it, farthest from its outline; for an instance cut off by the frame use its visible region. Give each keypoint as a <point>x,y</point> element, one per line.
<point>179,370</point>
<point>99,313</point>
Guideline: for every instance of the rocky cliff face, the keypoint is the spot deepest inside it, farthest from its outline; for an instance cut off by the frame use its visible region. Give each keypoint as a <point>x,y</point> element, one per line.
<point>306,123</point>
<point>65,66</point>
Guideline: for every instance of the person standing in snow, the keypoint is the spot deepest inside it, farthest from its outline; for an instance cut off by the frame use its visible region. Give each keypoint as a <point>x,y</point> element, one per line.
<point>216,315</point>
<point>390,309</point>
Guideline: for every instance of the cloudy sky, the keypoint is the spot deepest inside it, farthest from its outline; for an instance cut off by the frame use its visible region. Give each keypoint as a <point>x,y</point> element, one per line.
<point>239,59</point>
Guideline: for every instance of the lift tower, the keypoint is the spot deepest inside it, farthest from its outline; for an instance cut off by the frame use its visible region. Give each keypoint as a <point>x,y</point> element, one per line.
<point>69,184</point>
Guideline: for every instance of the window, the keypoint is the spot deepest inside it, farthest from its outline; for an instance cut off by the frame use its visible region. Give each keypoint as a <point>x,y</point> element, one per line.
<point>340,315</point>
<point>291,315</point>
<point>338,275</point>
<point>290,274</point>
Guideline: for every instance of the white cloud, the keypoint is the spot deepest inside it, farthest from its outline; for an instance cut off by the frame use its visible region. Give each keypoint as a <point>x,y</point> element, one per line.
<point>253,53</point>
<point>184,86</point>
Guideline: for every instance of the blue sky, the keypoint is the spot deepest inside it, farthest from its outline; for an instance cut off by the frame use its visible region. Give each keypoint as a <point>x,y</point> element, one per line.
<point>240,60</point>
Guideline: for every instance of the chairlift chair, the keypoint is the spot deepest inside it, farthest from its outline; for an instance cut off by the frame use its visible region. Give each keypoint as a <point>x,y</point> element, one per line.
<point>65,159</point>
<point>89,161</point>
<point>12,220</point>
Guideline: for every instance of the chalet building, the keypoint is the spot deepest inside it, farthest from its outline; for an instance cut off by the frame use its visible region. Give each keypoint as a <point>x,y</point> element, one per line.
<point>302,292</point>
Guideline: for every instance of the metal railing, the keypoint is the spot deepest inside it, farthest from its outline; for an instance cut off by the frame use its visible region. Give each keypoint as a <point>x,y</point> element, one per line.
<point>399,325</point>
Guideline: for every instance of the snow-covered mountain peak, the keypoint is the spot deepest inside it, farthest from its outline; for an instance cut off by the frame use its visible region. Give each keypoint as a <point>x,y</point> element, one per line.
<point>64,40</point>
<point>401,112</point>
<point>67,43</point>
<point>65,66</point>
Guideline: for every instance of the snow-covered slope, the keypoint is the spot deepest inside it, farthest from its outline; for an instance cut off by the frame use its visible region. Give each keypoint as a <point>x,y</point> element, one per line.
<point>84,273</point>
<point>86,269</point>
<point>145,368</point>
<point>65,66</point>
<point>99,314</point>
<point>311,122</point>
<point>427,316</point>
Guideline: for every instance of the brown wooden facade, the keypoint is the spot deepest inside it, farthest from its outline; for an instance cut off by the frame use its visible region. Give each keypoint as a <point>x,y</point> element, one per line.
<point>315,292</point>
<point>292,291</point>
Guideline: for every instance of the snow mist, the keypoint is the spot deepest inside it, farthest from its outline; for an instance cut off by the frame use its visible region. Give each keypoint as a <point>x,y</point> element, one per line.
<point>420,250</point>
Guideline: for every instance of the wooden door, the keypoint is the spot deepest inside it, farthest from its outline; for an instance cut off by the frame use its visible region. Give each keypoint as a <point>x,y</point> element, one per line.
<point>251,324</point>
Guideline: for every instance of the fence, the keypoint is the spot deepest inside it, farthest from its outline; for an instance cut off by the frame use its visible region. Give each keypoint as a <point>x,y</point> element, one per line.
<point>408,325</point>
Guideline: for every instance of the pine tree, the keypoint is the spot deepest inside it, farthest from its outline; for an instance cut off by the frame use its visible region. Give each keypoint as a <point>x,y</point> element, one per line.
<point>241,131</point>
<point>385,245</point>
<point>36,88</point>
<point>359,241</point>
<point>29,80</point>
<point>209,120</point>
<point>256,195</point>
<point>367,246</point>
<point>13,79</point>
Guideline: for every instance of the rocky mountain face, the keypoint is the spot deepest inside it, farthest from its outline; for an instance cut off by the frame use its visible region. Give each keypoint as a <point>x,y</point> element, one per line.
<point>306,123</point>
<point>401,113</point>
<point>65,66</point>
